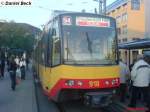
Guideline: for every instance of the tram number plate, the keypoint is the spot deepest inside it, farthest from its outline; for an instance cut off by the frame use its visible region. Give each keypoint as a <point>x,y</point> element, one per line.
<point>93,84</point>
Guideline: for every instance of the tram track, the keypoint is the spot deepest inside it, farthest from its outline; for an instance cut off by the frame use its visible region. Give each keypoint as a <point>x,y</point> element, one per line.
<point>36,91</point>
<point>76,106</point>
<point>79,107</point>
<point>42,101</point>
<point>117,107</point>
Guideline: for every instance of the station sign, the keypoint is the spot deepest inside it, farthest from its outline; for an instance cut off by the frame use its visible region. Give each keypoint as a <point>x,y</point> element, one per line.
<point>92,22</point>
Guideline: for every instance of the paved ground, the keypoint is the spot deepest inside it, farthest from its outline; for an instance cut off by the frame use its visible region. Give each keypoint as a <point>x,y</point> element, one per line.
<point>45,104</point>
<point>21,100</point>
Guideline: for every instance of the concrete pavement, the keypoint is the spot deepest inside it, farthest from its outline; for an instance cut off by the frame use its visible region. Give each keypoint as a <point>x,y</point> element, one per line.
<point>21,100</point>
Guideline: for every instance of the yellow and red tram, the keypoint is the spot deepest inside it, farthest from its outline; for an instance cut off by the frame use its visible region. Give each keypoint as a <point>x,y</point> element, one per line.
<point>77,55</point>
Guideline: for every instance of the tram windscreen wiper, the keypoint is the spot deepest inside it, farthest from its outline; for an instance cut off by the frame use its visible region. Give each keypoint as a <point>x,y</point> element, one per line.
<point>89,43</point>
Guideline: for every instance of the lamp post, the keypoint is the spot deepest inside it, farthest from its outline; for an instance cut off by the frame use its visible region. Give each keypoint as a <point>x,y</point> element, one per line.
<point>102,6</point>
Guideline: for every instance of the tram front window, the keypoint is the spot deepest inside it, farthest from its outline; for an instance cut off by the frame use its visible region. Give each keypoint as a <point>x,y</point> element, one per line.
<point>89,45</point>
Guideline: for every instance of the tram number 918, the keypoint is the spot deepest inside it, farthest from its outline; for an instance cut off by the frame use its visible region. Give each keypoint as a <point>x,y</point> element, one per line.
<point>93,84</point>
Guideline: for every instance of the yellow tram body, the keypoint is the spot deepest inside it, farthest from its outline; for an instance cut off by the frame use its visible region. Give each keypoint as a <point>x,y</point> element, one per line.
<point>50,77</point>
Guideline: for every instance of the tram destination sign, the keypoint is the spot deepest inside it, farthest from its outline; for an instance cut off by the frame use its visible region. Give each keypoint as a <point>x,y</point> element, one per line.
<point>92,22</point>
<point>67,20</point>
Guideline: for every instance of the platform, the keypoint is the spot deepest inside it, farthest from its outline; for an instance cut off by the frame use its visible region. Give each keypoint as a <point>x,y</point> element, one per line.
<point>22,99</point>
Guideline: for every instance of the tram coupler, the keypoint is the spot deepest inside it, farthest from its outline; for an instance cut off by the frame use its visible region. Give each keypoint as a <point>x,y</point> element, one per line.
<point>98,99</point>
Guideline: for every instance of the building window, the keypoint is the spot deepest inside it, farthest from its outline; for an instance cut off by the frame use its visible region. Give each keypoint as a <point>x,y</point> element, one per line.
<point>118,8</point>
<point>118,19</point>
<point>124,29</point>
<point>135,38</point>
<point>135,4</point>
<point>124,40</point>
<point>125,6</point>
<point>113,12</point>
<point>119,31</point>
<point>124,17</point>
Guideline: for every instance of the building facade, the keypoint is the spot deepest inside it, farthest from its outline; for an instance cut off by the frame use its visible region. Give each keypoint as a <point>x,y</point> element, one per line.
<point>130,20</point>
<point>147,18</point>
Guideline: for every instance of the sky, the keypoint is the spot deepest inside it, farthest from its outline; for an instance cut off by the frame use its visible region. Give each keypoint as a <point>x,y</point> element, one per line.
<point>39,12</point>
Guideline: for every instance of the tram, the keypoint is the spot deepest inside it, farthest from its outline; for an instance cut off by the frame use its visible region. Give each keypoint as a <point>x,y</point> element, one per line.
<point>77,57</point>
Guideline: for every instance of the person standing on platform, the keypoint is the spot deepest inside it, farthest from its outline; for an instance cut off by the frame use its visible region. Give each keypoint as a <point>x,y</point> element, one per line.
<point>12,67</point>
<point>22,67</point>
<point>124,76</point>
<point>2,64</point>
<point>17,60</point>
<point>2,67</point>
<point>140,76</point>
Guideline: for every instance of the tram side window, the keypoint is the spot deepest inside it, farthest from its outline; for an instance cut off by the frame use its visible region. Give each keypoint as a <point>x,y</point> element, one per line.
<point>49,48</point>
<point>40,52</point>
<point>49,45</point>
<point>44,49</point>
<point>56,45</point>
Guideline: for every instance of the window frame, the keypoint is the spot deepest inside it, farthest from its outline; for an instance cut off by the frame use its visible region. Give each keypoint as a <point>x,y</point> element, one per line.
<point>56,20</point>
<point>135,5</point>
<point>124,17</point>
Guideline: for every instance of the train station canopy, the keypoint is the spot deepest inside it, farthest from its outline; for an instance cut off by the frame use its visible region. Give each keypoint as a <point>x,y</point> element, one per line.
<point>139,44</point>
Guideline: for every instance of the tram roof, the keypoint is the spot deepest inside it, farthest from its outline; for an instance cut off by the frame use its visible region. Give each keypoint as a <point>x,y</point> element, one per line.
<point>139,44</point>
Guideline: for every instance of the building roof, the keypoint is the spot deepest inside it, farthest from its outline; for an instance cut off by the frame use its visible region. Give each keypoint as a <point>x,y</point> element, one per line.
<point>139,44</point>
<point>115,5</point>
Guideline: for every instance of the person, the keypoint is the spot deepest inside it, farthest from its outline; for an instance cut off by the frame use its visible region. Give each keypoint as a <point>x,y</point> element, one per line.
<point>22,67</point>
<point>2,67</point>
<point>18,75</point>
<point>124,76</point>
<point>130,82</point>
<point>12,71</point>
<point>27,63</point>
<point>2,64</point>
<point>140,76</point>
<point>17,60</point>
<point>131,65</point>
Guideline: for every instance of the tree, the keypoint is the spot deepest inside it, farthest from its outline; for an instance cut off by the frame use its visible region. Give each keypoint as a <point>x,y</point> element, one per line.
<point>17,35</point>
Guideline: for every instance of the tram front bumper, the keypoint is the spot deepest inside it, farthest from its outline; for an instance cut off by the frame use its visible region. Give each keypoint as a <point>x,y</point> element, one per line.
<point>98,99</point>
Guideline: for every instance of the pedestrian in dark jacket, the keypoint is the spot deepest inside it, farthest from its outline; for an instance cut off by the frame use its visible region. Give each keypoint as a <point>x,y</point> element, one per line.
<point>12,71</point>
<point>2,67</point>
<point>23,66</point>
<point>2,64</point>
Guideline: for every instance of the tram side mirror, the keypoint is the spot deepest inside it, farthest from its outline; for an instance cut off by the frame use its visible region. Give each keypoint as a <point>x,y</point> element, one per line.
<point>54,32</point>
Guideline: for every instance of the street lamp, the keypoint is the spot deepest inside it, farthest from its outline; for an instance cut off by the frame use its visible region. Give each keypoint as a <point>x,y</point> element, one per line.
<point>102,6</point>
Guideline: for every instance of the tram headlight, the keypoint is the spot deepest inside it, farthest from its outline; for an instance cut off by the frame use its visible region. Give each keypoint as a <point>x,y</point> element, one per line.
<point>79,83</point>
<point>117,80</point>
<point>107,83</point>
<point>113,82</point>
<point>70,83</point>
